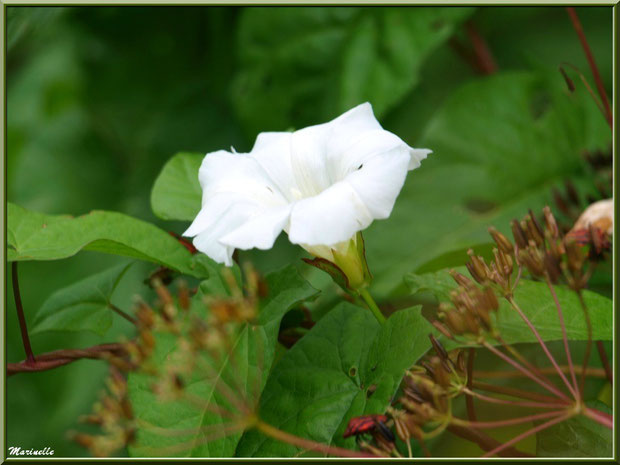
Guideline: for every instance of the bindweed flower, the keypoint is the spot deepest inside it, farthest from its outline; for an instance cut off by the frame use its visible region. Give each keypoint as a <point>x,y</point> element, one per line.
<point>321,184</point>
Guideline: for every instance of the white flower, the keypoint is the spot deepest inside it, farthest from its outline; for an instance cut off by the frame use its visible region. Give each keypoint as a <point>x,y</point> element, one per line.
<point>600,214</point>
<point>321,184</point>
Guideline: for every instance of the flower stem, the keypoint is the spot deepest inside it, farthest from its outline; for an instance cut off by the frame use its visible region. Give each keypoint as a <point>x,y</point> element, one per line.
<point>283,436</point>
<point>526,372</point>
<point>30,360</point>
<point>528,433</point>
<point>517,393</point>
<point>569,358</point>
<point>514,305</point>
<point>374,308</point>
<point>597,76</point>
<point>600,417</point>
<point>509,422</point>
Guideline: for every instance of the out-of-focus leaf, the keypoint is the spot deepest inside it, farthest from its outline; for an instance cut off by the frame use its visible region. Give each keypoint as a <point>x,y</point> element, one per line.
<point>499,146</point>
<point>309,63</point>
<point>577,437</point>
<point>244,370</point>
<point>176,193</point>
<point>537,303</point>
<point>35,236</point>
<point>347,365</point>
<point>84,305</point>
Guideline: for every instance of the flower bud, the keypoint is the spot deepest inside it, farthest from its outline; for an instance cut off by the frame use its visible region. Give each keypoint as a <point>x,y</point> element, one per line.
<point>550,222</point>
<point>518,234</point>
<point>502,241</point>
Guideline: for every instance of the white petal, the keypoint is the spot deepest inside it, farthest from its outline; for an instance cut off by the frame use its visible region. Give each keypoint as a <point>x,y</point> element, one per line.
<point>207,240</point>
<point>380,180</point>
<point>238,173</point>
<point>333,216</point>
<point>417,155</point>
<point>272,151</point>
<point>259,231</point>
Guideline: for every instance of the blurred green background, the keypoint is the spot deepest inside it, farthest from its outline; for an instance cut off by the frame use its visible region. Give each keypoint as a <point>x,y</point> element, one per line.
<point>99,98</point>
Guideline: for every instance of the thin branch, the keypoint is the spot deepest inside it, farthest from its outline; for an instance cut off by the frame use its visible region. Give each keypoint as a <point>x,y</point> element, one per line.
<point>59,358</point>
<point>30,360</point>
<point>484,57</point>
<point>526,372</point>
<point>597,76</point>
<point>485,442</point>
<point>542,344</point>
<point>600,417</point>
<point>508,422</point>
<point>469,400</point>
<point>596,372</point>
<point>602,353</point>
<point>586,356</point>
<point>283,436</point>
<point>569,358</point>
<point>528,433</point>
<point>517,403</point>
<point>123,314</point>
<point>514,392</point>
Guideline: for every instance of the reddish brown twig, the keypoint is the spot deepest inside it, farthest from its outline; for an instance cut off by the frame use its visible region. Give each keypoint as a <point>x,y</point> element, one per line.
<point>469,400</point>
<point>597,76</point>
<point>604,360</point>
<point>30,360</point>
<point>485,442</point>
<point>482,53</point>
<point>58,358</point>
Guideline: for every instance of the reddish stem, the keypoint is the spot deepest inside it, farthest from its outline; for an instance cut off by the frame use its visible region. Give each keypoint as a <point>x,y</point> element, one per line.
<point>528,433</point>
<point>495,400</point>
<point>30,360</point>
<point>485,442</point>
<point>526,372</point>
<point>469,400</point>
<point>509,422</point>
<point>517,393</point>
<point>58,358</point>
<point>604,360</point>
<point>569,358</point>
<point>597,77</point>
<point>483,55</point>
<point>542,344</point>
<point>600,417</point>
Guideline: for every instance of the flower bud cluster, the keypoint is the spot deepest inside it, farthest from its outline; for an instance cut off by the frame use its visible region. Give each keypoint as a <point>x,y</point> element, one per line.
<point>114,415</point>
<point>469,312</point>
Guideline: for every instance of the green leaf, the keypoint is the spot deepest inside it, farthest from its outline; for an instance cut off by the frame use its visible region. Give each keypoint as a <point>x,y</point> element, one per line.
<point>527,136</point>
<point>36,236</point>
<point>245,370</point>
<point>308,65</point>
<point>537,303</point>
<point>176,193</point>
<point>84,305</point>
<point>347,365</point>
<point>577,437</point>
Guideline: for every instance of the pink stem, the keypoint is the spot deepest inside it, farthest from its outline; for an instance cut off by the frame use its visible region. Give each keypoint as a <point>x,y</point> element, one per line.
<point>526,372</point>
<point>528,433</point>
<point>495,400</point>
<point>511,421</point>
<point>600,417</point>
<point>542,344</point>
<point>571,368</point>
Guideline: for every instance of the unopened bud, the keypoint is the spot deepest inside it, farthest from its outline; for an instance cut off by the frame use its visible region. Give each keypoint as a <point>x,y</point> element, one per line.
<point>477,268</point>
<point>518,234</point>
<point>550,222</point>
<point>502,241</point>
<point>461,279</point>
